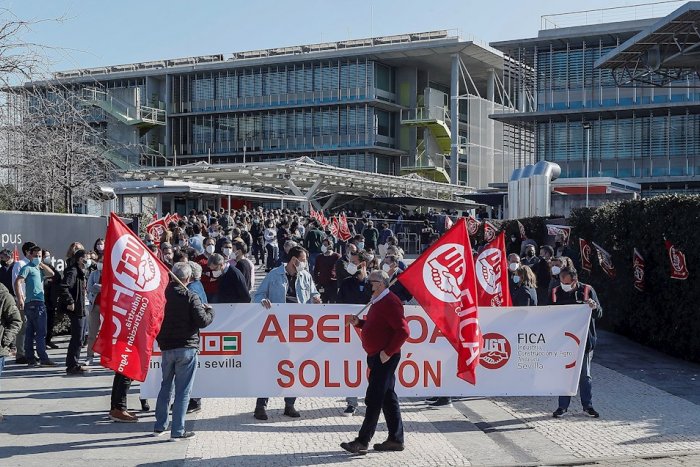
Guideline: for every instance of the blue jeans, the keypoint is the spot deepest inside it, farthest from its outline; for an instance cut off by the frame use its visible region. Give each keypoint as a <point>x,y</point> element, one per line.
<point>35,311</point>
<point>178,366</point>
<point>312,261</point>
<point>585,385</point>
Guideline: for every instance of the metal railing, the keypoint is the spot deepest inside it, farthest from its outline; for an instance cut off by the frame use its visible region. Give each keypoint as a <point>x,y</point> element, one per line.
<point>127,111</point>
<point>425,114</point>
<point>276,100</point>
<point>609,15</point>
<point>311,143</point>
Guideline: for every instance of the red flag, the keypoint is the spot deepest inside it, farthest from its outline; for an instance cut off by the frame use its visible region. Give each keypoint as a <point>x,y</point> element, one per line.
<point>334,227</point>
<point>15,254</point>
<point>563,230</point>
<point>605,260</point>
<point>312,213</point>
<point>132,302</point>
<point>156,229</point>
<point>344,231</point>
<point>489,231</point>
<point>521,227</point>
<point>638,266</point>
<point>492,274</point>
<point>586,263</point>
<point>678,268</point>
<point>442,280</point>
<point>448,222</point>
<point>472,226</point>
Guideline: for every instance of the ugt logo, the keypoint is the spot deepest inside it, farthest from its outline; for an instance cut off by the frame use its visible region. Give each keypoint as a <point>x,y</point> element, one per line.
<point>444,271</point>
<point>133,266</point>
<point>495,352</point>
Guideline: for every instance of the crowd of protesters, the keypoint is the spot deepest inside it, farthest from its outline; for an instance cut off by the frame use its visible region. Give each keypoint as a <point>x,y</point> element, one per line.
<point>216,257</point>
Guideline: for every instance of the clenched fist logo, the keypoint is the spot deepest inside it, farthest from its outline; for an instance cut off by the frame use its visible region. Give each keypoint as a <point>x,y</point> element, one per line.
<point>444,272</point>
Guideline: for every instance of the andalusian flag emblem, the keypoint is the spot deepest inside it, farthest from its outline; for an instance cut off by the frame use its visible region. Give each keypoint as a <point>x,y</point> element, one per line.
<point>231,343</point>
<point>220,343</point>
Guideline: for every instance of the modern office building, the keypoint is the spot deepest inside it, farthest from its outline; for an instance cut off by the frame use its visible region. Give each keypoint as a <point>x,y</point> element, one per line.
<point>380,105</point>
<point>626,93</point>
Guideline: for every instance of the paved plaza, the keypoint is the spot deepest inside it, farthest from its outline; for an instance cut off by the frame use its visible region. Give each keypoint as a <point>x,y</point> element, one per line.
<point>649,404</point>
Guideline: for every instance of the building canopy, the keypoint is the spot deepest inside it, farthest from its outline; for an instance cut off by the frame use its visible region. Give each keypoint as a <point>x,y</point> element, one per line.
<point>666,51</point>
<point>303,178</point>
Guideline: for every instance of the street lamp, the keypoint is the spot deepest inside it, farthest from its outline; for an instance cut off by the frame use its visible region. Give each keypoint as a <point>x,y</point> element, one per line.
<point>587,126</point>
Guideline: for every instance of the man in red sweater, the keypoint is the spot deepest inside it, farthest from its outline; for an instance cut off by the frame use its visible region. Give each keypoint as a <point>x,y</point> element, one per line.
<point>384,331</point>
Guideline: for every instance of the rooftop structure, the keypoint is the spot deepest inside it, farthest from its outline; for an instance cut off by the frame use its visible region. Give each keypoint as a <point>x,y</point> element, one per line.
<point>412,105</point>
<point>589,99</point>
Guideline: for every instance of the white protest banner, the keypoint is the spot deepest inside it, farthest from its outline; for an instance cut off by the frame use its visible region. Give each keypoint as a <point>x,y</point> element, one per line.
<point>306,350</point>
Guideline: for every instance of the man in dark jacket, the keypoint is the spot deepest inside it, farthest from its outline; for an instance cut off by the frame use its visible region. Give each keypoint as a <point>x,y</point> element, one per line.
<point>10,324</point>
<point>179,343</point>
<point>570,291</point>
<point>72,300</point>
<point>232,285</point>
<point>313,242</point>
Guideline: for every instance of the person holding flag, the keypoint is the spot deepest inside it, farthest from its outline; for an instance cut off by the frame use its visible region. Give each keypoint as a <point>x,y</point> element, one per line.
<point>384,331</point>
<point>179,343</point>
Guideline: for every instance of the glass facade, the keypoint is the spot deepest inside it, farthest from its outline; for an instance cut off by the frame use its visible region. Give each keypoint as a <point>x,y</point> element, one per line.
<point>637,131</point>
<point>311,107</point>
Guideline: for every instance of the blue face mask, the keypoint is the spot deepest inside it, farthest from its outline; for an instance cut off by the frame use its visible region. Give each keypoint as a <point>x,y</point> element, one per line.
<point>516,279</point>
<point>36,261</point>
<point>361,246</point>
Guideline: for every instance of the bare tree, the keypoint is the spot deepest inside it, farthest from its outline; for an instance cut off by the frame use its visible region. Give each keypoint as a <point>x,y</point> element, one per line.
<point>53,146</point>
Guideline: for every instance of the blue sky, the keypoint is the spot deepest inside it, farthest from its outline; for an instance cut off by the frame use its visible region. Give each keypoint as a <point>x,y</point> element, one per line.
<point>111,32</point>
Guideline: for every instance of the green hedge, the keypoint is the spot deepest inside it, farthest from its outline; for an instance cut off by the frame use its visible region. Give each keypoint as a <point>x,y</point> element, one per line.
<point>666,315</point>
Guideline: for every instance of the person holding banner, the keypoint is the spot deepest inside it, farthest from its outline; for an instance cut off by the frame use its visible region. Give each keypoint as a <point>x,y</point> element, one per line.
<point>178,340</point>
<point>384,331</point>
<point>570,291</point>
<point>289,283</point>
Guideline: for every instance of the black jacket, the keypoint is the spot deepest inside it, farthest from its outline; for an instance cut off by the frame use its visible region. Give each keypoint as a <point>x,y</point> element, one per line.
<point>233,288</point>
<point>183,318</point>
<point>400,291</point>
<point>10,321</point>
<point>523,296</point>
<point>354,291</point>
<point>578,295</point>
<point>72,290</point>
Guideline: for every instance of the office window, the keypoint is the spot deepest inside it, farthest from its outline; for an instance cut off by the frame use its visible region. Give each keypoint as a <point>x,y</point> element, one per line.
<point>202,88</point>
<point>227,86</point>
<point>384,78</point>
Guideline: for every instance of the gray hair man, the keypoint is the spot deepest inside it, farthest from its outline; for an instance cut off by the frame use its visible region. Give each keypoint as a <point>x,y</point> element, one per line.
<point>384,331</point>
<point>178,340</point>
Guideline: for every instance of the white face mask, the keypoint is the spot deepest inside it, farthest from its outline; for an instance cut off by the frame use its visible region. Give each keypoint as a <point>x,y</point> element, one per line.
<point>386,268</point>
<point>47,260</point>
<point>210,249</point>
<point>88,263</point>
<point>513,266</point>
<point>556,270</point>
<point>351,268</point>
<point>301,266</point>
<point>214,234</point>
<point>217,273</point>
<point>567,287</point>
<point>324,248</point>
<point>226,252</point>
